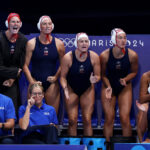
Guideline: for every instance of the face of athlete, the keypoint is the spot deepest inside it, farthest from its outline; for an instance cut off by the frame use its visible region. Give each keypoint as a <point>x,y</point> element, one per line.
<point>14,25</point>
<point>46,26</point>
<point>38,95</point>
<point>121,40</point>
<point>83,44</point>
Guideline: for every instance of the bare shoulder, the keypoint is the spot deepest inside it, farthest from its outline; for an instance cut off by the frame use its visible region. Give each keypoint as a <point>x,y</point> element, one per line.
<point>59,43</point>
<point>93,54</point>
<point>60,46</point>
<point>68,56</point>
<point>132,53</point>
<point>67,59</point>
<point>104,55</point>
<point>105,52</point>
<point>94,57</point>
<point>145,79</point>
<point>146,75</point>
<point>31,44</point>
<point>32,41</point>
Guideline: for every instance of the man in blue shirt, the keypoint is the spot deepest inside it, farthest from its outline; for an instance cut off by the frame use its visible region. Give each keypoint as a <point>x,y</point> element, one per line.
<point>38,119</point>
<point>7,119</point>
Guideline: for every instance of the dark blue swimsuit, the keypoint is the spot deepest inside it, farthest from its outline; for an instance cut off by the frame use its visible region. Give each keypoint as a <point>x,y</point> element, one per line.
<point>116,69</point>
<point>44,61</point>
<point>79,74</point>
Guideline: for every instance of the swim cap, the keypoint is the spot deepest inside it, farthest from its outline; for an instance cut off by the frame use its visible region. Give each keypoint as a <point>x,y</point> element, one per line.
<point>11,15</point>
<point>79,36</point>
<point>114,33</point>
<point>41,20</point>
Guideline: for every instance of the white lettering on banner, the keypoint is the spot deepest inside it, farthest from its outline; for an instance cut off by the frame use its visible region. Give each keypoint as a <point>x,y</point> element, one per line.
<point>128,43</point>
<point>100,42</point>
<point>135,43</point>
<point>93,42</point>
<point>105,43</point>
<point>141,43</point>
<point>69,42</point>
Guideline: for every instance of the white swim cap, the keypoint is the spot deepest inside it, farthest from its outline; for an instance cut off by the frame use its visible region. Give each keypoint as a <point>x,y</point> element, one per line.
<point>79,36</point>
<point>114,33</point>
<point>41,20</point>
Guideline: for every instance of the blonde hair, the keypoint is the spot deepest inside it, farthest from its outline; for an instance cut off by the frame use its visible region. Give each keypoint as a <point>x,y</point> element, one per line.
<point>31,87</point>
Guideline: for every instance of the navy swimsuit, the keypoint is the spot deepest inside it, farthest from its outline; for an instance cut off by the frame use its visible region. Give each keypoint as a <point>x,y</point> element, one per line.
<point>79,74</point>
<point>44,61</point>
<point>116,69</point>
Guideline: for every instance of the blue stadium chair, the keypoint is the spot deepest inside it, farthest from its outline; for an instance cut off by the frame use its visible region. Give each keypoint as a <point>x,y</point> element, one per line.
<point>93,143</point>
<point>70,140</point>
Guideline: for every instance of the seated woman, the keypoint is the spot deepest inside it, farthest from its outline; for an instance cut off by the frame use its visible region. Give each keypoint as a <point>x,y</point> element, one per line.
<point>7,120</point>
<point>37,119</point>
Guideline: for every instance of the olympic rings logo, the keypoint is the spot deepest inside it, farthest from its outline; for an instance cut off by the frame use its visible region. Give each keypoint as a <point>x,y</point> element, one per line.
<point>68,42</point>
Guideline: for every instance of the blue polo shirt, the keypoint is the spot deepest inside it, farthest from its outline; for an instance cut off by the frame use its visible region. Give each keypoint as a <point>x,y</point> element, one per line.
<point>40,116</point>
<point>7,111</point>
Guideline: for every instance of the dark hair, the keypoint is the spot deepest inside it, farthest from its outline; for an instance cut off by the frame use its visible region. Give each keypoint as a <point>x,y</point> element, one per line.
<point>31,87</point>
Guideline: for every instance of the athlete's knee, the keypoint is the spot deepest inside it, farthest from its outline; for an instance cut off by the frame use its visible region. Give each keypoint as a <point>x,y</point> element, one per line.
<point>73,121</point>
<point>109,119</point>
<point>125,120</point>
<point>87,120</point>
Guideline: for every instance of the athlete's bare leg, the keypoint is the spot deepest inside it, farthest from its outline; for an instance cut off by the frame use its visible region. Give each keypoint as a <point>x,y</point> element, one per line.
<point>72,111</point>
<point>52,96</point>
<point>109,111</point>
<point>125,103</point>
<point>87,105</point>
<point>141,124</point>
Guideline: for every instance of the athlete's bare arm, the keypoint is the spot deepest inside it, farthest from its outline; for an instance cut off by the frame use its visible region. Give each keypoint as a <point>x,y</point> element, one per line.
<point>133,57</point>
<point>61,51</point>
<point>103,60</point>
<point>29,50</point>
<point>65,65</point>
<point>96,65</point>
<point>144,83</point>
